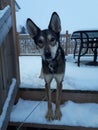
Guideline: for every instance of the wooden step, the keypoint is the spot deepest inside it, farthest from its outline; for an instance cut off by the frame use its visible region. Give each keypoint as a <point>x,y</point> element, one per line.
<point>38,94</point>
<point>73,95</point>
<point>26,126</point>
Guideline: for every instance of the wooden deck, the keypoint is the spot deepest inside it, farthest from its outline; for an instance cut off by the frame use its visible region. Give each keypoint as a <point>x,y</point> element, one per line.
<point>73,95</point>
<point>26,126</point>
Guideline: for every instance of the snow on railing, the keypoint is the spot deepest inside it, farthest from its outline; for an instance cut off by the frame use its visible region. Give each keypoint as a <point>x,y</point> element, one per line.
<point>6,104</point>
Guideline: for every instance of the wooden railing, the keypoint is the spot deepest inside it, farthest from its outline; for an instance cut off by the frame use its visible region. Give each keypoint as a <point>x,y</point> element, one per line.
<point>28,47</point>
<point>5,56</point>
<point>8,62</point>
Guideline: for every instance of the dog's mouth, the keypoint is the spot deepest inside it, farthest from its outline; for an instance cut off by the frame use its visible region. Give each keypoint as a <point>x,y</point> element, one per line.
<point>48,56</point>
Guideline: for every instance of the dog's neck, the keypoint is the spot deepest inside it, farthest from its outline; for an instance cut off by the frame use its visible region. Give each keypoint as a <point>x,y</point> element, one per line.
<point>52,64</point>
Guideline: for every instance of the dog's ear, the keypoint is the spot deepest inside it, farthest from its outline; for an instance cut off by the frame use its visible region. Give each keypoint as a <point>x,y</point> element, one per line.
<point>32,28</point>
<point>55,23</point>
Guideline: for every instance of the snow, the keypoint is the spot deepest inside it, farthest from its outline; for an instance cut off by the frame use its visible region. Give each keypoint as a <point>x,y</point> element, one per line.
<point>76,78</point>
<point>73,114</point>
<point>6,104</point>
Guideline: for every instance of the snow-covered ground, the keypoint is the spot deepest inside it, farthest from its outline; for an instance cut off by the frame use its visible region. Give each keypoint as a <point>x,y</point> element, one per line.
<point>76,78</point>
<point>73,114</point>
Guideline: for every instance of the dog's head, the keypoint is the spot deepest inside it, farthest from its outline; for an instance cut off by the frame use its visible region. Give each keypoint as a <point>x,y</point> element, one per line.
<point>47,40</point>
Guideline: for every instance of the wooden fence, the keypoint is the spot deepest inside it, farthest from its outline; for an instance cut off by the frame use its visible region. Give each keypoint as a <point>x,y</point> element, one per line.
<point>28,47</point>
<point>9,69</point>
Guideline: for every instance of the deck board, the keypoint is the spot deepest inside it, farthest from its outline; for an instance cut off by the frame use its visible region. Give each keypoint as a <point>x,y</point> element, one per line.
<point>73,95</point>
<point>56,127</point>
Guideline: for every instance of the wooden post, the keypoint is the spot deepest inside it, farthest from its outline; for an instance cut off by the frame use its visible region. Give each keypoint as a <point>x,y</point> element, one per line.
<point>16,58</point>
<point>1,84</point>
<point>66,45</point>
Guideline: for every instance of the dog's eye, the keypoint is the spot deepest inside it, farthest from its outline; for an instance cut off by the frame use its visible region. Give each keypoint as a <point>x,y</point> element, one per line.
<point>40,43</point>
<point>52,39</point>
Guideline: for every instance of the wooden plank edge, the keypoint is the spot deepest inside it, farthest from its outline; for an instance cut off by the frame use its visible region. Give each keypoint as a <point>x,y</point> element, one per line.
<point>73,95</point>
<point>64,90</point>
<point>50,126</point>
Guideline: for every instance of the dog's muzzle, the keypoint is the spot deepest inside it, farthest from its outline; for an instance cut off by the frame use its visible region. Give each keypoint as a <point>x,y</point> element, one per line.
<point>47,55</point>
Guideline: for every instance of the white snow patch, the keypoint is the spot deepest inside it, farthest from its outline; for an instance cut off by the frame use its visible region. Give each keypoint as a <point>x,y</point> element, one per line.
<point>76,78</point>
<point>73,114</point>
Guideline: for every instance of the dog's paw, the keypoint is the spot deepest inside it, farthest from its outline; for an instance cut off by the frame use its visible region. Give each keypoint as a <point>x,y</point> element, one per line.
<point>49,115</point>
<point>58,115</point>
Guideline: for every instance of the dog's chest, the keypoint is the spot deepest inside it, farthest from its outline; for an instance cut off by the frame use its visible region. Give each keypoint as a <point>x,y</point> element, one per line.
<point>50,67</point>
<point>55,66</point>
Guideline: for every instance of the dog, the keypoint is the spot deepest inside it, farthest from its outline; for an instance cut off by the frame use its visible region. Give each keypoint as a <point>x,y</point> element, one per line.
<point>53,59</point>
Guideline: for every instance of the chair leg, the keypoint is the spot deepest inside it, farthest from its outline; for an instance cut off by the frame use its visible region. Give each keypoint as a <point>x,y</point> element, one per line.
<point>80,50</point>
<point>75,49</point>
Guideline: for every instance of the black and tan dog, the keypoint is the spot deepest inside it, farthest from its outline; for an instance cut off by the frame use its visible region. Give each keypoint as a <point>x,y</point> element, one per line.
<point>53,59</point>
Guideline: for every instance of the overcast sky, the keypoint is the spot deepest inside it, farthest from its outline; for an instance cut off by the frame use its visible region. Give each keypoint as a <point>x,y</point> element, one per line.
<point>74,14</point>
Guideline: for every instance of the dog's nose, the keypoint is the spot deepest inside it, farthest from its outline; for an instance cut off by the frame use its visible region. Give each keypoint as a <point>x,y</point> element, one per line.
<point>47,54</point>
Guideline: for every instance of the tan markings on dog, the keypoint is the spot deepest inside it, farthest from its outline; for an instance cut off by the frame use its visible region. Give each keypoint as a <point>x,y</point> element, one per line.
<point>49,37</point>
<point>57,77</point>
<point>53,50</point>
<point>41,38</point>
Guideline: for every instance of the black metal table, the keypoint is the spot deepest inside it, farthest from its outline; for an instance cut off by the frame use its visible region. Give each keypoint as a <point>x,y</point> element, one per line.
<point>86,39</point>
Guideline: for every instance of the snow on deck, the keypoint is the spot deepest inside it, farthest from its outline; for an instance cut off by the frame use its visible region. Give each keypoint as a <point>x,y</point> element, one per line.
<point>76,78</point>
<point>73,114</point>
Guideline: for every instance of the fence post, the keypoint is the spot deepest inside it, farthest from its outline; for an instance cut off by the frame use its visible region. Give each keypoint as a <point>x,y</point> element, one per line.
<point>1,84</point>
<point>66,45</point>
<point>15,40</point>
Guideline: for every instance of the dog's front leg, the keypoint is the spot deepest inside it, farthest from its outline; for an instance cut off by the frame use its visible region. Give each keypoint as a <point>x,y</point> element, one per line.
<point>49,115</point>
<point>58,113</point>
